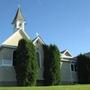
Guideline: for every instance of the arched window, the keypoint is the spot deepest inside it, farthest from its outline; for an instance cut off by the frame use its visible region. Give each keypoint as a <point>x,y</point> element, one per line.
<point>38,58</point>
<point>74,67</point>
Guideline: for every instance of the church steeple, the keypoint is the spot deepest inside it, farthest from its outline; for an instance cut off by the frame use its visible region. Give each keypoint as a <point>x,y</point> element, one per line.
<point>18,22</point>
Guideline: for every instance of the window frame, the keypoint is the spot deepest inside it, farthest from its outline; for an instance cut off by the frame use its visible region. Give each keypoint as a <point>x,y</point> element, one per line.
<point>6,62</point>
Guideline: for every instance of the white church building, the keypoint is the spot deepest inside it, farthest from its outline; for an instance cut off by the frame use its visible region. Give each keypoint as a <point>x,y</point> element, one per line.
<point>7,73</point>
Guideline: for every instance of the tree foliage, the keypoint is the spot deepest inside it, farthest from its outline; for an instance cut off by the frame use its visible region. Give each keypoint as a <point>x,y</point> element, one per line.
<point>46,65</point>
<point>51,65</point>
<point>83,69</point>
<point>25,63</point>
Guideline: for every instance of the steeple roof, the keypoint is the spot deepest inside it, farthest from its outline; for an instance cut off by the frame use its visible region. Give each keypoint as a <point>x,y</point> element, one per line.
<point>18,16</point>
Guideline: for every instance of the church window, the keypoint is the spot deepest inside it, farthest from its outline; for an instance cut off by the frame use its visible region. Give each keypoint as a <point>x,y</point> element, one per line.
<point>75,67</point>
<point>72,68</point>
<point>38,58</point>
<point>5,62</point>
<point>20,24</point>
<point>37,41</point>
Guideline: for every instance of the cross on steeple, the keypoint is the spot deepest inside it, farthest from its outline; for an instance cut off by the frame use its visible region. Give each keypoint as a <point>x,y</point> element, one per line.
<point>20,2</point>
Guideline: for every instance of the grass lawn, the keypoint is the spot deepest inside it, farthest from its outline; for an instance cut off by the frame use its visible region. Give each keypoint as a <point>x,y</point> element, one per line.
<point>62,87</point>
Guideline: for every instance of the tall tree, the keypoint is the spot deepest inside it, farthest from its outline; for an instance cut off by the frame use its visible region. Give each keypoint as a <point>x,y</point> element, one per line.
<point>25,63</point>
<point>46,65</point>
<point>51,65</point>
<point>55,64</point>
<point>83,69</point>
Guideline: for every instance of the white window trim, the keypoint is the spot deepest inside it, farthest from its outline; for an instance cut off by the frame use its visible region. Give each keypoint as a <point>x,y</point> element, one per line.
<point>8,62</point>
<point>39,58</point>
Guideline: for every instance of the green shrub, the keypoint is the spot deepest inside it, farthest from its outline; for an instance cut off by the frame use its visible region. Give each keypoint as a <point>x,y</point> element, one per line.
<point>25,63</point>
<point>51,65</point>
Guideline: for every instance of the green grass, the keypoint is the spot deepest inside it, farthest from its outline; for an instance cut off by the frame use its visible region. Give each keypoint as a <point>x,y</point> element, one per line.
<point>62,87</point>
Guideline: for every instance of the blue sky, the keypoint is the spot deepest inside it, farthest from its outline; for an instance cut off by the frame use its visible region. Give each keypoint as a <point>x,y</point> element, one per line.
<point>65,23</point>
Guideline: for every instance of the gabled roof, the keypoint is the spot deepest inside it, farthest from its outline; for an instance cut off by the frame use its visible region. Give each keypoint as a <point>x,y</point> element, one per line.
<point>38,38</point>
<point>18,16</point>
<point>63,51</point>
<point>66,53</point>
<point>14,36</point>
